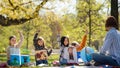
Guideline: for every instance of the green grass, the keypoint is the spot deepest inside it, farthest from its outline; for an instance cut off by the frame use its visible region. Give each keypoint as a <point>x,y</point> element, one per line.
<point>51,58</point>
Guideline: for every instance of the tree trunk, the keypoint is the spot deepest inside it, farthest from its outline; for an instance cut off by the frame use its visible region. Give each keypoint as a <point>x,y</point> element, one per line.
<point>27,40</point>
<point>90,30</point>
<point>114,10</point>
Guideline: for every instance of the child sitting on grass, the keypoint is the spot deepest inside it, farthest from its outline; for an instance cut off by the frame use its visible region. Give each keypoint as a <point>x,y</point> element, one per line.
<point>68,54</point>
<point>42,53</point>
<point>76,44</point>
<point>14,47</point>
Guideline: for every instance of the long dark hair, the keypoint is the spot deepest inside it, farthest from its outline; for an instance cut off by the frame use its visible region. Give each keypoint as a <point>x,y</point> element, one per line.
<point>13,36</point>
<point>63,39</point>
<point>41,38</point>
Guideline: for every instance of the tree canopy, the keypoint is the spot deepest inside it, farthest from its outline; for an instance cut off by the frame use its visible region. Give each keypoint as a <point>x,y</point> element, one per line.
<point>17,12</point>
<point>24,15</point>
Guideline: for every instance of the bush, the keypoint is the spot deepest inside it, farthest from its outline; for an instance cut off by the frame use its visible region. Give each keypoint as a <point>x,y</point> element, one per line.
<point>25,51</point>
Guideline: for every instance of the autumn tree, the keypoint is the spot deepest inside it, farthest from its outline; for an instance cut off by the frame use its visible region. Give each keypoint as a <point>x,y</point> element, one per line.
<point>14,12</point>
<point>89,15</point>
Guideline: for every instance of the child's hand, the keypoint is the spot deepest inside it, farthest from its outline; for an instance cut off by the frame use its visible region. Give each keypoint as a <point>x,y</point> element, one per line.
<point>19,31</point>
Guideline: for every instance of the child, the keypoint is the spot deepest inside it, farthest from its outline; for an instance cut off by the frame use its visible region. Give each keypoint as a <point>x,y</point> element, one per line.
<point>14,47</point>
<point>76,44</point>
<point>65,51</point>
<point>41,51</point>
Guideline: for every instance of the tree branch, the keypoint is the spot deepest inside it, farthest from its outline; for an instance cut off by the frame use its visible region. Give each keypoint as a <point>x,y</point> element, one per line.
<point>16,7</point>
<point>7,21</point>
<point>38,8</point>
<point>11,3</point>
<point>48,8</point>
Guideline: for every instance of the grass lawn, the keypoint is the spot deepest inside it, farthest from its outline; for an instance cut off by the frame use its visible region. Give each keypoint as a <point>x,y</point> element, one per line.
<point>51,58</point>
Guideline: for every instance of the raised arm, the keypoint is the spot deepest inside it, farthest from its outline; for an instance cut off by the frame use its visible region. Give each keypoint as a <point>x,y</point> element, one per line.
<point>21,39</point>
<point>58,39</point>
<point>58,36</point>
<point>83,43</point>
<point>35,38</point>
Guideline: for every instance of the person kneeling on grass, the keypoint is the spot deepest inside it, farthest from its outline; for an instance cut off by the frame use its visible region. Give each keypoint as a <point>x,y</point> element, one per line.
<point>41,53</point>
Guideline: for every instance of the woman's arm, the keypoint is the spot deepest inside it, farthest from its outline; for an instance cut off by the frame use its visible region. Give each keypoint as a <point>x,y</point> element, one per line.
<point>108,42</point>
<point>21,39</point>
<point>82,44</point>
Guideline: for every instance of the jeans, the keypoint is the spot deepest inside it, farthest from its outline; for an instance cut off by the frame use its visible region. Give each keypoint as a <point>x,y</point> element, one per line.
<point>8,62</point>
<point>102,59</point>
<point>41,62</point>
<point>63,61</point>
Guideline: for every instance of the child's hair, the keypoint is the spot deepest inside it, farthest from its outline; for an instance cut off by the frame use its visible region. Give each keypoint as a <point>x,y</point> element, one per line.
<point>74,43</point>
<point>63,39</point>
<point>13,36</point>
<point>41,38</point>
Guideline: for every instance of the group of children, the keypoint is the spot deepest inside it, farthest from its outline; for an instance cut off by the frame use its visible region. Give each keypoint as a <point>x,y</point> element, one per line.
<point>68,52</point>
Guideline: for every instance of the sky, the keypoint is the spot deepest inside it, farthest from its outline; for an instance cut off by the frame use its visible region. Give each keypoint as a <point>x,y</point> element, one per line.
<point>61,7</point>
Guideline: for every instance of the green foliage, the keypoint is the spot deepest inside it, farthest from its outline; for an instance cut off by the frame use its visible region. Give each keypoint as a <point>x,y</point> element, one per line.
<point>73,25</point>
<point>25,51</point>
<point>97,17</point>
<point>19,11</point>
